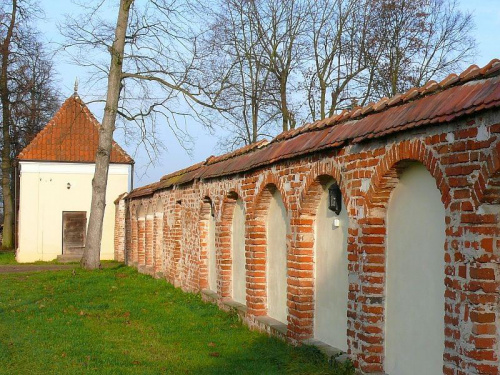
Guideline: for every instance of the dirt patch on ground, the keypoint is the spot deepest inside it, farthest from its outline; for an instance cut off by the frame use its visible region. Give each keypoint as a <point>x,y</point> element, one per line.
<point>20,268</point>
<point>14,268</point>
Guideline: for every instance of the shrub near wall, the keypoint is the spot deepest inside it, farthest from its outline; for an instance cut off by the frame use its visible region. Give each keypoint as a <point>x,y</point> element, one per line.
<point>450,128</point>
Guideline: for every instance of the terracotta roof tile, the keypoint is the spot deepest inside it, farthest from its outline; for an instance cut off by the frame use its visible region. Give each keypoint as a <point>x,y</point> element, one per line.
<point>457,95</point>
<point>71,136</point>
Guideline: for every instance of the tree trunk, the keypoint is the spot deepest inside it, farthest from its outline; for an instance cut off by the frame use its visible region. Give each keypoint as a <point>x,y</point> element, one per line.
<point>322,86</point>
<point>91,254</point>
<point>284,106</point>
<point>8,202</point>
<point>255,120</point>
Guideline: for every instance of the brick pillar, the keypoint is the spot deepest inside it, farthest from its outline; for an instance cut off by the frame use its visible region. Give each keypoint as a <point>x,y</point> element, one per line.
<point>141,240</point>
<point>370,295</point>
<point>204,214</point>
<point>301,279</point>
<point>158,234</point>
<point>175,271</point>
<point>256,249</point>
<point>473,289</point>
<point>134,237</point>
<point>223,242</point>
<point>128,234</point>
<point>148,237</point>
<point>120,230</point>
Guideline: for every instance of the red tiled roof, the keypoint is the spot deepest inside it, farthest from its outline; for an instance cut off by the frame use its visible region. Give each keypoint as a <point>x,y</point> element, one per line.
<point>474,90</point>
<point>71,136</point>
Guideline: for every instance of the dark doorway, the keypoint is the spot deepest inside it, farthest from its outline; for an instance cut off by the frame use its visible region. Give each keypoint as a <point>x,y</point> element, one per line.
<point>74,232</point>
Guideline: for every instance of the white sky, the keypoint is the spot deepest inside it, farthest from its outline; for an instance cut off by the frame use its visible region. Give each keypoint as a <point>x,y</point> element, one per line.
<point>487,20</point>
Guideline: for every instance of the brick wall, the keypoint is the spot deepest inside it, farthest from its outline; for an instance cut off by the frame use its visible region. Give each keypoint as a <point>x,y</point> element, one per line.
<point>464,159</point>
<point>121,226</point>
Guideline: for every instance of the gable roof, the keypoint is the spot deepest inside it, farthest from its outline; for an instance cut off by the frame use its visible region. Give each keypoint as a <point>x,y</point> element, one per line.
<point>71,136</point>
<point>474,90</point>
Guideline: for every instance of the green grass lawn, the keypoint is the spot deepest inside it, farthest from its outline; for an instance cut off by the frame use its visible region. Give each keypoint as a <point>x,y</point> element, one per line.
<point>7,257</point>
<point>116,321</point>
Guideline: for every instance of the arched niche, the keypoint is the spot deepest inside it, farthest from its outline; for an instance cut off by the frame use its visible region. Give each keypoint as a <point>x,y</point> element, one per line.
<point>208,275</point>
<point>238,258</point>
<point>158,236</point>
<point>277,230</point>
<point>141,212</point>
<point>149,228</point>
<point>331,268</point>
<point>141,234</point>
<point>415,273</point>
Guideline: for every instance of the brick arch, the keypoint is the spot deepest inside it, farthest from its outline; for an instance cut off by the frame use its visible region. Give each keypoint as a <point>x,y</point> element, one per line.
<point>141,209</point>
<point>387,170</point>
<point>128,234</point>
<point>257,243</point>
<point>372,242</point>
<point>269,180</point>
<point>486,191</point>
<point>486,187</point>
<point>233,193</point>
<point>159,205</point>
<point>321,172</point>
<point>301,283</point>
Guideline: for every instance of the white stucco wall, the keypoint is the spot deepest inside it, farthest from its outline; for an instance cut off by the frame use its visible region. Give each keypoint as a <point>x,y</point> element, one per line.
<point>331,268</point>
<point>212,261</point>
<point>277,229</point>
<point>44,196</point>
<point>238,253</point>
<point>415,288</point>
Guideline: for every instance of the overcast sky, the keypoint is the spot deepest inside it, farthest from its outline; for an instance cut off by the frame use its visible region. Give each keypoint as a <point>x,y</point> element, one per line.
<point>487,20</point>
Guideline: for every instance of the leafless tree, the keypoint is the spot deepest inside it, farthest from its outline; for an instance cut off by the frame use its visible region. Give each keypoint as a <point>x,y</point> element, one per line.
<point>328,54</point>
<point>34,94</point>
<point>28,98</point>
<point>155,84</point>
<point>91,255</point>
<point>424,40</point>
<point>339,41</point>
<point>257,54</point>
<point>9,22</point>
<point>281,29</point>
<point>230,50</point>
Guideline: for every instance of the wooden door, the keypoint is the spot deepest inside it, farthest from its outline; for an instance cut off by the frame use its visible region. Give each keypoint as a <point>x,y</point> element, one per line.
<point>74,231</point>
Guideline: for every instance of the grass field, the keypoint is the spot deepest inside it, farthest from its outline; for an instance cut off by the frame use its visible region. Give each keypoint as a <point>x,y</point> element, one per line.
<point>7,257</point>
<point>116,321</point>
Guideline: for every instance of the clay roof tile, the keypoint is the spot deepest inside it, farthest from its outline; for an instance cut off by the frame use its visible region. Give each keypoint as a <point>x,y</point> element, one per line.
<point>470,73</point>
<point>71,136</point>
<point>450,99</point>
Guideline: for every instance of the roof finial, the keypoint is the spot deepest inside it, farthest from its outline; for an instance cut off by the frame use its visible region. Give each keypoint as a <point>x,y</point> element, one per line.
<point>76,87</point>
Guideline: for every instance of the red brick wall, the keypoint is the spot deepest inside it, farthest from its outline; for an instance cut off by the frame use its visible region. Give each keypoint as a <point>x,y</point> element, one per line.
<point>158,242</point>
<point>149,238</point>
<point>141,241</point>
<point>466,166</point>
<point>121,227</point>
